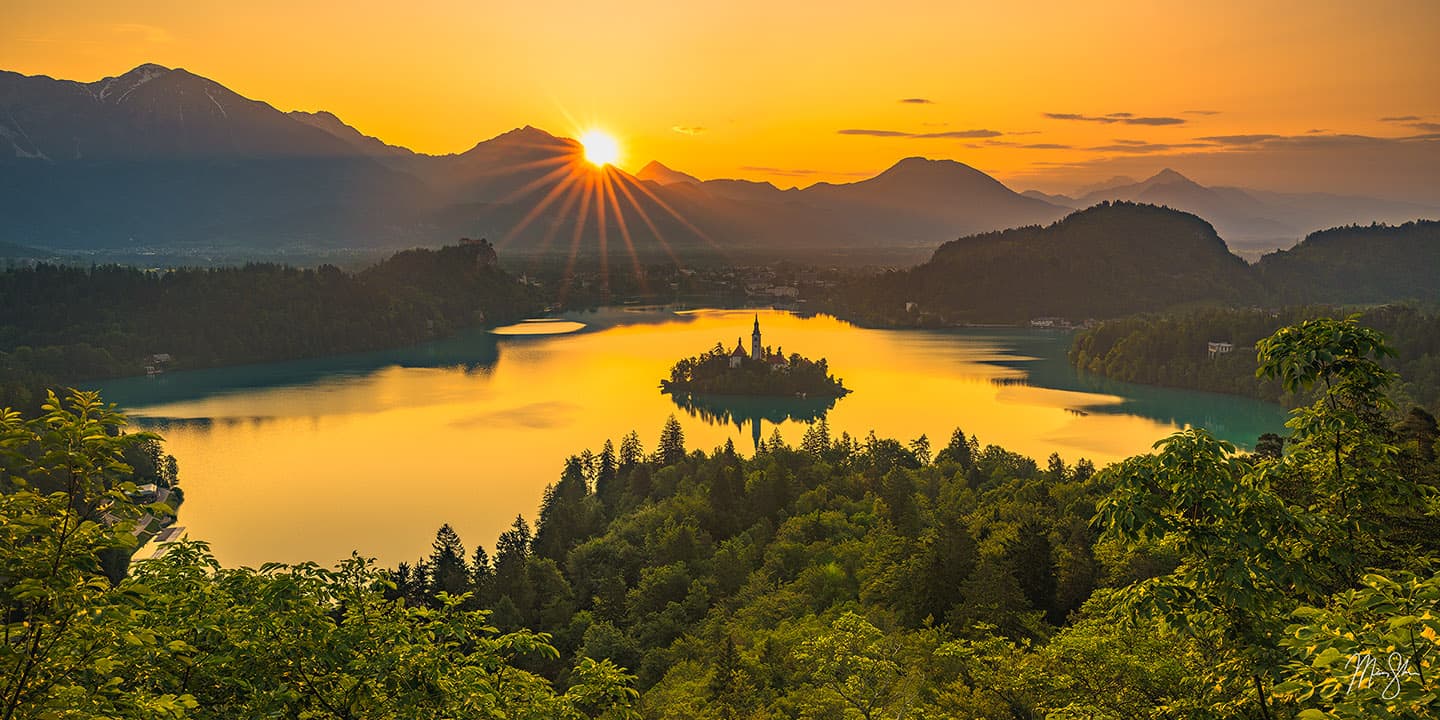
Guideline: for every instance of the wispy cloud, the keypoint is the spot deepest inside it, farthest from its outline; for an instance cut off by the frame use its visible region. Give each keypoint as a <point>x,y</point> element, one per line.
<point>1126,118</point>
<point>688,129</point>
<point>925,135</point>
<point>917,101</point>
<point>1400,118</point>
<point>1239,139</point>
<point>1146,148</point>
<point>1201,112</point>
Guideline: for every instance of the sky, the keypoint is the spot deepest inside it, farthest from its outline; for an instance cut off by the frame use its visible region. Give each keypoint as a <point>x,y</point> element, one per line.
<point>1319,95</point>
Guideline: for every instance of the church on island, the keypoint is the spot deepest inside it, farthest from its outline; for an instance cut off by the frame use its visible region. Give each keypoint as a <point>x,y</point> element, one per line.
<point>757,371</point>
<point>757,352</point>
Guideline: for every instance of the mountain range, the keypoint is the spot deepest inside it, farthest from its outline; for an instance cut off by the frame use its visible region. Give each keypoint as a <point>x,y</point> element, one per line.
<point>163,158</point>
<point>1250,220</point>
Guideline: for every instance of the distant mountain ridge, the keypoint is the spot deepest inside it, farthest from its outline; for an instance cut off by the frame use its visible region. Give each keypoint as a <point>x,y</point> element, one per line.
<point>161,157</point>
<point>1254,219</point>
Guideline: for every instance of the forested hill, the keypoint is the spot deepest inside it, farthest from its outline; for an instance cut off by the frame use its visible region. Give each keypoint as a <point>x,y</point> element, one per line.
<point>1111,259</point>
<point>1358,264</point>
<point>1172,349</point>
<point>63,325</point>
<point>1121,258</point>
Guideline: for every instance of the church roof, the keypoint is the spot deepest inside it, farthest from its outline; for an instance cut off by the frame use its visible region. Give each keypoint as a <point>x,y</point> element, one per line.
<point>739,349</point>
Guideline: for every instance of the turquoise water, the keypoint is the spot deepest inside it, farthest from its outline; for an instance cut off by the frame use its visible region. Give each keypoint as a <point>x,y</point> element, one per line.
<point>308,460</point>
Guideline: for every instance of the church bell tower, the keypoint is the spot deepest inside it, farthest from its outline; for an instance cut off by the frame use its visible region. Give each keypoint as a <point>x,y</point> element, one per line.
<point>755,340</point>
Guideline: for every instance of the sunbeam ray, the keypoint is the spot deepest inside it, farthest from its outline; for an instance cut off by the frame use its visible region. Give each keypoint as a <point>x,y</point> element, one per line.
<point>666,206</point>
<point>534,212</point>
<point>575,238</point>
<point>650,224</point>
<point>625,232</point>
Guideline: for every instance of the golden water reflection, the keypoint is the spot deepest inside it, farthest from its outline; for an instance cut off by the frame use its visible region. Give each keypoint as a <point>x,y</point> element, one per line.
<point>376,460</point>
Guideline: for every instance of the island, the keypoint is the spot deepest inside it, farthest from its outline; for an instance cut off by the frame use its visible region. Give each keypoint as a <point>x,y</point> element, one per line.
<point>758,372</point>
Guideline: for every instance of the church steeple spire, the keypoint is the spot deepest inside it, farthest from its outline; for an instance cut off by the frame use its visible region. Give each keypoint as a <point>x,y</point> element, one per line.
<point>755,352</point>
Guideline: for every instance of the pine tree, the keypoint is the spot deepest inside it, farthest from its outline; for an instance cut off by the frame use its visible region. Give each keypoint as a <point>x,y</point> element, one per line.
<point>959,451</point>
<point>512,575</point>
<point>730,685</point>
<point>605,469</point>
<point>632,453</point>
<point>816,441</point>
<point>921,447</point>
<point>672,443</point>
<point>482,578</point>
<point>449,571</point>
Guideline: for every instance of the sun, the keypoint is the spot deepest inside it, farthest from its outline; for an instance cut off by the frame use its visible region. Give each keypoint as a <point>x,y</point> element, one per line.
<point>600,147</point>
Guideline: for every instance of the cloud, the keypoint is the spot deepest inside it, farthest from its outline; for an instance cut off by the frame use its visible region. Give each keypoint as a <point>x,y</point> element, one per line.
<point>917,101</point>
<point>688,129</point>
<point>1426,126</point>
<point>1139,148</point>
<point>1400,118</point>
<point>927,135</point>
<point>960,134</point>
<point>1045,146</point>
<point>1201,112</point>
<point>874,133</point>
<point>1239,139</point>
<point>1126,118</point>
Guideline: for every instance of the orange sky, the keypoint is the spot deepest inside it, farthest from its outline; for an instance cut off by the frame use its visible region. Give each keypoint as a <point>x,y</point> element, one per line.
<point>761,89</point>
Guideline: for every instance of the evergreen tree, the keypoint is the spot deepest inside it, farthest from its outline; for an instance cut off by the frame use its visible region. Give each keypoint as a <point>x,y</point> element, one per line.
<point>512,576</point>
<point>816,441</point>
<point>671,449</point>
<point>632,453</point>
<point>605,475</point>
<point>958,451</point>
<point>730,685</point>
<point>920,447</point>
<point>482,577</point>
<point>449,571</point>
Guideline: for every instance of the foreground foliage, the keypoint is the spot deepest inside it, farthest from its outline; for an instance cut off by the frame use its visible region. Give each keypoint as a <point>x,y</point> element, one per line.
<point>182,637</point>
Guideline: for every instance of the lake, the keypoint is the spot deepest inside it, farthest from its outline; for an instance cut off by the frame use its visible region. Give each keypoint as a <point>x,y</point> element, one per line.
<point>311,459</point>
